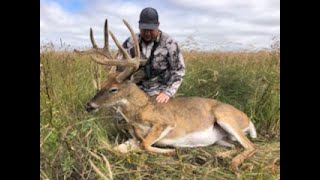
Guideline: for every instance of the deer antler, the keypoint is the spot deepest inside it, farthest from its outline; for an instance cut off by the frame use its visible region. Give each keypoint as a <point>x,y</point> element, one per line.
<point>95,50</point>
<point>136,60</point>
<point>132,64</point>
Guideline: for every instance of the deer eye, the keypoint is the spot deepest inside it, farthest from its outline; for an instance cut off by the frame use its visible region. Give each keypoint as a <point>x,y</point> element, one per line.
<point>113,90</point>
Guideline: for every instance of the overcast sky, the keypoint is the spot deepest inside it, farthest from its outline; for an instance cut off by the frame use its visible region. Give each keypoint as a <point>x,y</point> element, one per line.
<point>207,24</point>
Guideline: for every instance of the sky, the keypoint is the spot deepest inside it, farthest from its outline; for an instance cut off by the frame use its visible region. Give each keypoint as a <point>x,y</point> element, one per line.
<point>200,25</point>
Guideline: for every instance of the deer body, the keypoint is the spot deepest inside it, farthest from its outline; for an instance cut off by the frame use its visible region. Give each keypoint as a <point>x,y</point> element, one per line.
<point>181,122</point>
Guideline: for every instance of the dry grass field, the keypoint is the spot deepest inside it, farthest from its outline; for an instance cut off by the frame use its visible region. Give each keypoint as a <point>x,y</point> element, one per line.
<point>75,144</point>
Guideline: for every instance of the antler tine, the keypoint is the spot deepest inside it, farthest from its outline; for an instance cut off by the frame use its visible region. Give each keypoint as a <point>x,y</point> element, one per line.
<point>124,52</point>
<point>136,61</point>
<point>95,50</point>
<point>128,70</point>
<point>106,45</point>
<point>135,41</point>
<point>94,45</point>
<point>106,36</point>
<point>130,64</point>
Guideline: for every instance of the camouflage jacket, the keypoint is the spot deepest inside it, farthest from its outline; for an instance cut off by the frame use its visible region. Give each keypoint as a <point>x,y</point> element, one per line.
<point>166,70</point>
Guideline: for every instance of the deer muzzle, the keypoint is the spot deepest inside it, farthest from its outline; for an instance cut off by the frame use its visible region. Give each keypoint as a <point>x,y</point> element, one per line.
<point>91,106</point>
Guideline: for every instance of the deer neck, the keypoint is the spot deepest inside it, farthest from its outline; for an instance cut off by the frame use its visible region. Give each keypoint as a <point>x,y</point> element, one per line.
<point>136,100</point>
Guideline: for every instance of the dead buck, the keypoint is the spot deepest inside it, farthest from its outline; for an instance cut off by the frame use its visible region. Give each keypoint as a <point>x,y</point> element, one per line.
<point>182,122</point>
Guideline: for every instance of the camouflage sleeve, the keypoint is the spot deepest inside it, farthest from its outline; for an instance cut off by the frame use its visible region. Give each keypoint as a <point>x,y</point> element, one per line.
<point>177,68</point>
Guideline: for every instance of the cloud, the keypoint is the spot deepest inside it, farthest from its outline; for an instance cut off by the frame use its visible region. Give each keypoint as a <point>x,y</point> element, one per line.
<point>223,24</point>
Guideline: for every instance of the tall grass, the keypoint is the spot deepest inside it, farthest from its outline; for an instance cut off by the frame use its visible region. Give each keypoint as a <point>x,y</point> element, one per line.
<point>78,145</point>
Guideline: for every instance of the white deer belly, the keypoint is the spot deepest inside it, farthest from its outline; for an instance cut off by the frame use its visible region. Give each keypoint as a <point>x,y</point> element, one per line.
<point>206,137</point>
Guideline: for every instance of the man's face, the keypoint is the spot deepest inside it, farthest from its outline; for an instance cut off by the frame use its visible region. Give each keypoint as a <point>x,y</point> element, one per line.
<point>149,35</point>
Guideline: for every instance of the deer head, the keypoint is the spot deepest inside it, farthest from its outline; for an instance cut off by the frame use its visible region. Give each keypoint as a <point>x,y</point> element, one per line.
<point>115,89</point>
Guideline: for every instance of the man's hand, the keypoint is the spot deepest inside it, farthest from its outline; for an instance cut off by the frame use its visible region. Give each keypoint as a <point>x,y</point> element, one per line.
<point>162,98</point>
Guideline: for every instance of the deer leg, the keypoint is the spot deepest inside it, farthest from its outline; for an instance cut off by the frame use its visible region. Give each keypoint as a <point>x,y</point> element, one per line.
<point>225,143</point>
<point>234,130</point>
<point>138,133</point>
<point>156,133</point>
<point>229,124</point>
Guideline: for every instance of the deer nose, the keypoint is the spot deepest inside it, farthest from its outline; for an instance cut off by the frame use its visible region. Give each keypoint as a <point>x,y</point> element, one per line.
<point>89,107</point>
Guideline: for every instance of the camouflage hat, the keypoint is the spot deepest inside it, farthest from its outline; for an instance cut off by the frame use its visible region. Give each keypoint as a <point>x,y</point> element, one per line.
<point>149,18</point>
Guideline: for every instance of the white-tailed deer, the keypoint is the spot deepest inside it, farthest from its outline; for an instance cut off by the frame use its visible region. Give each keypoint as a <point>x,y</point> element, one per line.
<point>182,122</point>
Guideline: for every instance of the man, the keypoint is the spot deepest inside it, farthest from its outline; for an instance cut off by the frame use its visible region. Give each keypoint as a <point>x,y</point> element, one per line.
<point>163,73</point>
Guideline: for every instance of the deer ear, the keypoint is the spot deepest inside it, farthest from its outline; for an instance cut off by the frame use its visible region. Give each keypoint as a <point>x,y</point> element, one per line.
<point>137,76</point>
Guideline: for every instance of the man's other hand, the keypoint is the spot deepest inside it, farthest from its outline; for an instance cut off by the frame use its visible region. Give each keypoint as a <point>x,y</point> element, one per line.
<point>162,98</point>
